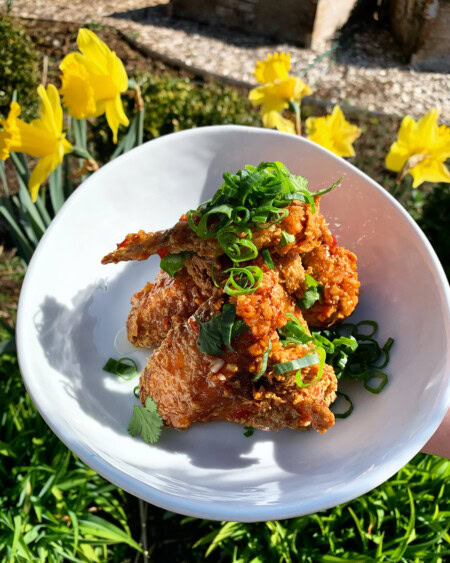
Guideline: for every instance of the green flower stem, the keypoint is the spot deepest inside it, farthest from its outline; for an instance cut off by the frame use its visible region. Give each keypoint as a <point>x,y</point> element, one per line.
<point>81,152</point>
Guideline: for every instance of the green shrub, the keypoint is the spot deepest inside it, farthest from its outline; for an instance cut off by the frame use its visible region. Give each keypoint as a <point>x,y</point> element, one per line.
<point>434,223</point>
<point>173,104</point>
<point>18,68</point>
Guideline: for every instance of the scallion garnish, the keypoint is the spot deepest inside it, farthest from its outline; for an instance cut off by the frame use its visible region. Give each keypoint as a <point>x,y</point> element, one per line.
<point>243,280</point>
<point>248,431</point>
<point>126,368</point>
<point>267,259</point>
<point>227,322</point>
<point>298,376</point>
<point>294,365</point>
<point>257,196</point>
<point>265,358</point>
<point>349,411</point>
<point>136,392</point>
<point>376,375</point>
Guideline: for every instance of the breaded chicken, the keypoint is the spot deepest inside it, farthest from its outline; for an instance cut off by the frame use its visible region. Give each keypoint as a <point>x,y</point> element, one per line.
<point>191,387</point>
<point>162,305</point>
<point>301,222</point>
<point>335,268</point>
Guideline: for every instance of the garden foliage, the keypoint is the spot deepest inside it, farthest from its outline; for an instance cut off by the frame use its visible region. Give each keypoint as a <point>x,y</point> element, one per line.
<point>18,68</point>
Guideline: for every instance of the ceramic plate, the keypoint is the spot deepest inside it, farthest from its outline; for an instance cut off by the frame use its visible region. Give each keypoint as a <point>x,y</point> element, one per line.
<point>72,309</point>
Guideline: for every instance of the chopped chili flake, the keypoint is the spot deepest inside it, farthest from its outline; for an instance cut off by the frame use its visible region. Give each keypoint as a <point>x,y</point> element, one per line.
<point>163,252</point>
<point>183,217</point>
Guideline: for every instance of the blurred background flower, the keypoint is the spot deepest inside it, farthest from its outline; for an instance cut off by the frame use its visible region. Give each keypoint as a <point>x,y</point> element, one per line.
<point>421,150</point>
<point>93,81</point>
<point>278,91</point>
<point>42,138</point>
<point>333,132</point>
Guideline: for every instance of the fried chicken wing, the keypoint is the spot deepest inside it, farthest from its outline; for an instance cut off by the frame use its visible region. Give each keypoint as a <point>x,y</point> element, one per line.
<point>190,387</point>
<point>301,222</point>
<point>161,305</point>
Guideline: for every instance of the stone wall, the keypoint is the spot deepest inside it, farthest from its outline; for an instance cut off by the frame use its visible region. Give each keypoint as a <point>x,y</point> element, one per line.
<point>303,22</point>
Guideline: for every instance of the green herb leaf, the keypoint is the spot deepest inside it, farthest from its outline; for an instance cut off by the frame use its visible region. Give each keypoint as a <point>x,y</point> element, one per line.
<point>227,322</point>
<point>312,293</point>
<point>267,259</point>
<point>248,431</point>
<point>286,238</point>
<point>172,263</point>
<point>146,422</point>
<point>126,368</point>
<point>265,358</point>
<point>220,331</point>
<point>210,339</point>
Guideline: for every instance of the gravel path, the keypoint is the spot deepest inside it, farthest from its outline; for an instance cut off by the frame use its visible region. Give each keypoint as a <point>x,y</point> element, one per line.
<point>368,72</point>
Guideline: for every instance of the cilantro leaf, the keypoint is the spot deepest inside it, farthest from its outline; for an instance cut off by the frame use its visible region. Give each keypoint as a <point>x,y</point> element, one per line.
<point>219,331</point>
<point>146,421</point>
<point>286,238</point>
<point>312,293</point>
<point>210,336</point>
<point>172,263</point>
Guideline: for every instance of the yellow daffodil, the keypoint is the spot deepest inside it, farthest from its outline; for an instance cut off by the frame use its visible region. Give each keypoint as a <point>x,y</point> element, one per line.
<point>277,91</point>
<point>42,138</point>
<point>333,132</point>
<point>421,149</point>
<point>93,80</point>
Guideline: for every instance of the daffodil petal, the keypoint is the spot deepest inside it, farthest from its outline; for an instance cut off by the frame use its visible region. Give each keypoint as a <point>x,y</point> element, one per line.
<point>429,171</point>
<point>333,132</point>
<point>94,49</point>
<point>115,115</point>
<point>41,172</point>
<point>48,117</point>
<point>274,120</point>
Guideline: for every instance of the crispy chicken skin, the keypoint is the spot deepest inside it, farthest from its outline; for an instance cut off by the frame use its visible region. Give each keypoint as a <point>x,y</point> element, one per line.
<point>301,222</point>
<point>191,387</point>
<point>335,268</point>
<point>161,305</point>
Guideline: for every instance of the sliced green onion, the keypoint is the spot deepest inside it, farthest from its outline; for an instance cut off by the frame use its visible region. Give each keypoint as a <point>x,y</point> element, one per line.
<point>248,280</point>
<point>349,411</point>
<point>363,336</point>
<point>248,431</point>
<point>326,190</point>
<point>228,316</point>
<point>376,375</point>
<point>388,344</point>
<point>126,368</point>
<point>136,392</point>
<point>298,375</point>
<point>265,358</point>
<point>294,365</point>
<point>267,259</point>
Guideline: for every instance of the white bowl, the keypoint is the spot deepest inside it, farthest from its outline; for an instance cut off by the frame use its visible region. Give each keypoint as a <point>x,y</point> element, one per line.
<point>72,307</point>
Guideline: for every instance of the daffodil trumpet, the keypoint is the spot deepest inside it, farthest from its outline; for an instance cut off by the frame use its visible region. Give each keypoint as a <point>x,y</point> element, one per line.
<point>421,150</point>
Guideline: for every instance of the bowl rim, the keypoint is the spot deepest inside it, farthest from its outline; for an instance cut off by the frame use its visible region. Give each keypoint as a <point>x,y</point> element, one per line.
<point>228,510</point>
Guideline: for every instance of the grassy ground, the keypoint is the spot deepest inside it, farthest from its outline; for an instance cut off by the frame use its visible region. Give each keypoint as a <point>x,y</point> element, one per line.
<point>54,508</point>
